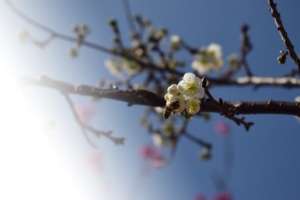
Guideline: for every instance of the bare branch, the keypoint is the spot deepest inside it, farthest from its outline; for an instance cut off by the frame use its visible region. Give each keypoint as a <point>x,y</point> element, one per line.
<point>147,98</point>
<point>286,82</point>
<point>284,36</point>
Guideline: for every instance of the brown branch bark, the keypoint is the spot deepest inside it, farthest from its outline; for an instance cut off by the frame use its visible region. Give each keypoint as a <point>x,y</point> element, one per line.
<point>147,98</point>
<point>284,36</point>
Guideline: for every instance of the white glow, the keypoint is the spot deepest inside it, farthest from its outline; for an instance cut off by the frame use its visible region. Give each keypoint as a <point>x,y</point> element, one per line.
<point>30,166</point>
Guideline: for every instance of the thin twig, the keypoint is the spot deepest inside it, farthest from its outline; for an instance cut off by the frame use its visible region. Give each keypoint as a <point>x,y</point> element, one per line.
<point>284,36</point>
<point>85,127</point>
<point>245,49</point>
<point>128,14</point>
<point>67,97</point>
<point>224,110</point>
<point>196,140</point>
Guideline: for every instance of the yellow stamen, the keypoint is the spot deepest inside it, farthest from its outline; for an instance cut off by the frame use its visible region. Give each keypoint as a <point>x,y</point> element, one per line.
<point>191,87</point>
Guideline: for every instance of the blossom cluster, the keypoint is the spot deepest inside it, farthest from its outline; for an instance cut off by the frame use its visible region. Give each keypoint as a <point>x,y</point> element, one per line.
<point>119,67</point>
<point>208,59</point>
<point>81,31</point>
<point>188,92</point>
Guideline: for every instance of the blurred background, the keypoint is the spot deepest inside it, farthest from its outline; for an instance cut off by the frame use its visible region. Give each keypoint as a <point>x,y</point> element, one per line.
<point>44,154</point>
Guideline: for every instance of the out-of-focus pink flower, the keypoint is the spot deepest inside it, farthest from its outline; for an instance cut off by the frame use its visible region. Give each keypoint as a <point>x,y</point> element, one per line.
<point>85,112</point>
<point>223,196</point>
<point>221,128</point>
<point>153,155</point>
<point>199,197</point>
<point>95,160</point>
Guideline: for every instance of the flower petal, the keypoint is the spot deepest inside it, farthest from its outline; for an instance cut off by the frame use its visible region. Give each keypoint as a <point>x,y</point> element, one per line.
<point>188,77</point>
<point>173,89</point>
<point>182,86</point>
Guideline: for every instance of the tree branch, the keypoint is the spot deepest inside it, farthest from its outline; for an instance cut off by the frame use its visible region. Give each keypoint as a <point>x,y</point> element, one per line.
<point>284,36</point>
<point>287,82</point>
<point>85,127</point>
<point>147,98</point>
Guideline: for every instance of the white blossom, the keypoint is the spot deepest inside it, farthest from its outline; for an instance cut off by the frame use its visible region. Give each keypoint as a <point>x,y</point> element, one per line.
<point>24,36</point>
<point>85,30</point>
<point>159,109</point>
<point>191,86</point>
<point>175,42</point>
<point>188,93</point>
<point>173,89</point>
<point>114,67</point>
<point>130,67</point>
<point>208,59</point>
<point>81,30</point>
<point>75,28</point>
<point>193,105</point>
<point>232,59</point>
<point>151,31</point>
<point>175,39</point>
<point>135,43</point>
<point>73,52</point>
<point>168,97</point>
<point>158,140</point>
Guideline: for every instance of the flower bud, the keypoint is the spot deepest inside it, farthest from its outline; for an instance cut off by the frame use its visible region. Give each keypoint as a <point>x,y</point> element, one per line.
<point>205,154</point>
<point>73,53</point>
<point>173,89</point>
<point>112,22</point>
<point>281,59</point>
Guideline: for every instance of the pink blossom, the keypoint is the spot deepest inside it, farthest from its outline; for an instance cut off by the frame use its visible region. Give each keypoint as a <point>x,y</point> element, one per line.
<point>153,155</point>
<point>199,197</point>
<point>95,160</point>
<point>223,196</point>
<point>221,128</point>
<point>85,112</point>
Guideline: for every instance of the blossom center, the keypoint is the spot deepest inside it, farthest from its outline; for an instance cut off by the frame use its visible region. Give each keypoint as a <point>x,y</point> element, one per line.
<point>191,87</point>
<point>203,62</point>
<point>193,106</point>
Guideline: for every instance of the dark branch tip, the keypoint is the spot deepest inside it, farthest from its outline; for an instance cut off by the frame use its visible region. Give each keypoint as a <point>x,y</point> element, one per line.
<point>204,82</point>
<point>221,101</point>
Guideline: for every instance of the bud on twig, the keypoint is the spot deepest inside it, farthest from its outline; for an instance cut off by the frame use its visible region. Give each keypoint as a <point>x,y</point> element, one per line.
<point>112,22</point>
<point>282,58</point>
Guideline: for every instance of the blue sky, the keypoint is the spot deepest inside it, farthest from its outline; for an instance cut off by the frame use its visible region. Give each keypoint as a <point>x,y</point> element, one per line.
<point>266,164</point>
